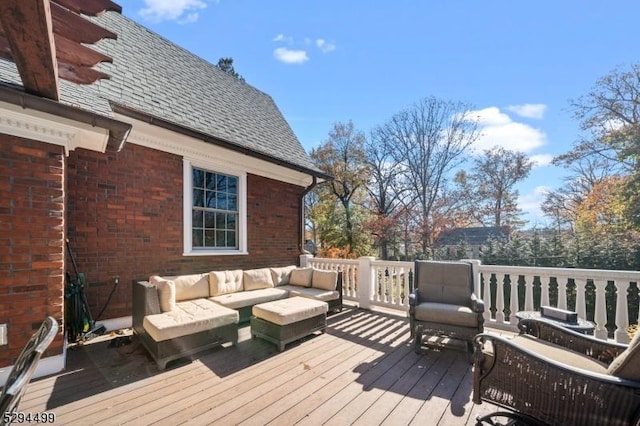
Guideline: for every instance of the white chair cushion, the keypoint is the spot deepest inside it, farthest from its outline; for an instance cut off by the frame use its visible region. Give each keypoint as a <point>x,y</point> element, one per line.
<point>166,292</point>
<point>224,282</point>
<point>301,277</point>
<point>192,286</point>
<point>255,279</point>
<point>188,317</point>
<point>627,364</point>
<point>325,280</point>
<point>312,293</point>
<point>446,314</point>
<point>247,298</point>
<point>281,275</point>
<point>289,311</point>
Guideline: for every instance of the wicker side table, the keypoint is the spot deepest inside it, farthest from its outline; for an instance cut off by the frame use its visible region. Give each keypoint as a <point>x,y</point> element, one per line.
<point>581,326</point>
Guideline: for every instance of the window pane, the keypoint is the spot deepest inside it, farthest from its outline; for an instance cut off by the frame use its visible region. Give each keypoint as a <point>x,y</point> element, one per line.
<point>220,239</point>
<point>222,183</point>
<point>232,202</point>
<point>211,200</point>
<point>196,217</point>
<point>209,220</point>
<point>232,184</point>
<point>222,201</point>
<point>211,181</point>
<point>198,198</point>
<point>231,222</point>
<point>209,238</point>
<point>196,237</point>
<point>231,239</point>
<point>198,178</point>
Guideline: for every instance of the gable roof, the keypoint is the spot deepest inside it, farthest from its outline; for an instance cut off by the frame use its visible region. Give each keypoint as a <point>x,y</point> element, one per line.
<point>153,78</point>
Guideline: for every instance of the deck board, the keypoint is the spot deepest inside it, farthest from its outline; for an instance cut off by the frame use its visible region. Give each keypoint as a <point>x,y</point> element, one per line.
<point>362,371</point>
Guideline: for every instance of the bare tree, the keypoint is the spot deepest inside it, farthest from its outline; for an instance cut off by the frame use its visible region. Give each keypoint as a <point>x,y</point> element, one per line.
<point>429,140</point>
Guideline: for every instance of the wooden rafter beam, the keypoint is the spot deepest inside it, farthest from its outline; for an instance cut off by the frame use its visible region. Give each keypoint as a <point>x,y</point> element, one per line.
<point>90,7</point>
<point>74,27</point>
<point>33,51</point>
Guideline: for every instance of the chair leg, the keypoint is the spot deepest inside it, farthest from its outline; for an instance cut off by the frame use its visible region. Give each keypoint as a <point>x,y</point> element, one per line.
<point>417,340</point>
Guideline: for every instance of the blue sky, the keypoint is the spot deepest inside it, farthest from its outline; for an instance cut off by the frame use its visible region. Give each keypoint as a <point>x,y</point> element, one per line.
<point>518,63</point>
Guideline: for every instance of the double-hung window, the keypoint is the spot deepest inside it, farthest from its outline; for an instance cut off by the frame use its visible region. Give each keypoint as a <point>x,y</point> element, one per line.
<point>214,210</point>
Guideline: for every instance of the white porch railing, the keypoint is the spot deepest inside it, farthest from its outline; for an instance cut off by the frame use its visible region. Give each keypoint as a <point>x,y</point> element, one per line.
<point>504,289</point>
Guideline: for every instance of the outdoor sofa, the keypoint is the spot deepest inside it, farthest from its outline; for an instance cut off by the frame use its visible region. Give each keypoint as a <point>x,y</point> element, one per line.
<point>178,316</point>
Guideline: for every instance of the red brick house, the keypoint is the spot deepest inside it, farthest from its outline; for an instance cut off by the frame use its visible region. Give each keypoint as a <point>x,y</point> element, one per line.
<point>167,166</point>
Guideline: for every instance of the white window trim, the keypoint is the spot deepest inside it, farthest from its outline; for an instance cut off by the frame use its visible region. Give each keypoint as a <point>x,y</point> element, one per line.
<point>187,191</point>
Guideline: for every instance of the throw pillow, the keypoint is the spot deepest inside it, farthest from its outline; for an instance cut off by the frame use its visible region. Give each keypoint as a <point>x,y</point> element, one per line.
<point>166,292</point>
<point>225,282</point>
<point>625,365</point>
<point>301,277</point>
<point>324,280</point>
<point>281,275</point>
<point>256,279</point>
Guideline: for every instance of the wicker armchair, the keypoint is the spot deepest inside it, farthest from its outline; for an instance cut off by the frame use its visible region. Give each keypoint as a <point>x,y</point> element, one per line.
<point>548,375</point>
<point>443,302</point>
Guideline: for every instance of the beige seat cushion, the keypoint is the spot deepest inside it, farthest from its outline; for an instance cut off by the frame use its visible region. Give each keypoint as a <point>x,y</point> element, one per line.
<point>325,280</point>
<point>192,286</point>
<point>256,279</point>
<point>247,298</point>
<point>224,282</point>
<point>301,277</point>
<point>560,354</point>
<point>289,311</point>
<point>446,314</point>
<point>281,275</point>
<point>312,293</point>
<point>166,292</point>
<point>627,364</point>
<point>189,317</point>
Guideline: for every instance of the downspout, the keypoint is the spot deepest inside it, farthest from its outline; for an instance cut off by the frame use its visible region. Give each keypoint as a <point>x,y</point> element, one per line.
<point>308,189</point>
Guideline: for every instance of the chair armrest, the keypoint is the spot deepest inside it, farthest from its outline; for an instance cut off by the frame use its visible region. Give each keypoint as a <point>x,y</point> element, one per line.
<point>477,305</point>
<point>145,302</point>
<point>601,350</point>
<point>414,298</point>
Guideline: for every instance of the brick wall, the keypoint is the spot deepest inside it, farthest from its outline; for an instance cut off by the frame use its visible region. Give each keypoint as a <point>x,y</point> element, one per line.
<point>31,240</point>
<point>125,220</point>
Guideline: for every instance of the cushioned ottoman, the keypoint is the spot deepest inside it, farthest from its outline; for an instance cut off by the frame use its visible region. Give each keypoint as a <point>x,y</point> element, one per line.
<point>286,320</point>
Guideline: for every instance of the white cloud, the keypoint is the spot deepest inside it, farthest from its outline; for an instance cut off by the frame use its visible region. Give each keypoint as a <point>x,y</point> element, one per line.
<point>283,38</point>
<point>529,110</point>
<point>497,128</point>
<point>541,160</point>
<point>531,203</point>
<point>325,46</point>
<point>289,56</point>
<point>182,11</point>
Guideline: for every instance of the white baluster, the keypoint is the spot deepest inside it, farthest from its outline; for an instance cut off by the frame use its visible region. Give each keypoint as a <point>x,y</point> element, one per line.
<point>513,303</point>
<point>601,310</point>
<point>581,304</point>
<point>500,298</point>
<point>544,290</point>
<point>486,295</point>
<point>562,293</point>
<point>528,293</point>
<point>622,312</point>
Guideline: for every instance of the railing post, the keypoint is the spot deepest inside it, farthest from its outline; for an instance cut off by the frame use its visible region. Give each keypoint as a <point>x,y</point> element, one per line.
<point>622,313</point>
<point>305,260</point>
<point>365,281</point>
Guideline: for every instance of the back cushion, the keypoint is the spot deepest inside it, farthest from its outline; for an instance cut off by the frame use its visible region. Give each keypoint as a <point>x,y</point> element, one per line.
<point>444,282</point>
<point>281,275</point>
<point>255,279</point>
<point>225,282</point>
<point>301,277</point>
<point>166,292</point>
<point>324,280</point>
<point>627,364</point>
<point>192,286</point>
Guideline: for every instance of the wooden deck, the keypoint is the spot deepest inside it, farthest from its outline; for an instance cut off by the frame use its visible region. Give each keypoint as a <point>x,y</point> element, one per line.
<point>363,370</point>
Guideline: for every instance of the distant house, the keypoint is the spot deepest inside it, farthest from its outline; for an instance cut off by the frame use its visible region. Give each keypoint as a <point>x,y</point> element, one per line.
<point>167,166</point>
<point>473,238</point>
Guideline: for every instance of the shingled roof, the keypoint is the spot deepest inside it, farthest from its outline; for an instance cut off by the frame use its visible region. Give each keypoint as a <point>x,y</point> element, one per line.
<point>158,79</point>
